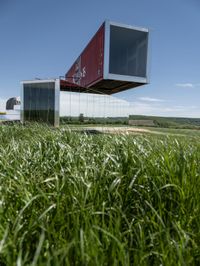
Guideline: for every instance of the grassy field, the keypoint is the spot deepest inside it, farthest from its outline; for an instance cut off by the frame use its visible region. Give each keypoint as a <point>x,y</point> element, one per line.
<point>68,198</point>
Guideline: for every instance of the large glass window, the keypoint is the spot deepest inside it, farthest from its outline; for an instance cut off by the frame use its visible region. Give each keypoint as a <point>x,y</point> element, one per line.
<point>128,51</point>
<point>39,102</point>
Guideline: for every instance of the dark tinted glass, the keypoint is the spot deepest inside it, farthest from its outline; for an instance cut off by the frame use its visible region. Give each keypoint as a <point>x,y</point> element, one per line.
<point>39,102</point>
<point>128,51</point>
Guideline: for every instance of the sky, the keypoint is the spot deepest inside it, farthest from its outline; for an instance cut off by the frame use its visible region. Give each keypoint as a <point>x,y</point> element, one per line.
<point>42,38</point>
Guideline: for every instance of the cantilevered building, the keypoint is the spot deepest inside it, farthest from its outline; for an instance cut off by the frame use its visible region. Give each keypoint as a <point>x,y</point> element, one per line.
<point>115,59</point>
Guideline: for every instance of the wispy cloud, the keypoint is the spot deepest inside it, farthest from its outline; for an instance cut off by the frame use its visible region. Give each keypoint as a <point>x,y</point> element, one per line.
<point>151,108</point>
<point>188,85</point>
<point>149,99</point>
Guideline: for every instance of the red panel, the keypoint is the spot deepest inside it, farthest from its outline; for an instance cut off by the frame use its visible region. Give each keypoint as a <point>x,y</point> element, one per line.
<point>88,68</point>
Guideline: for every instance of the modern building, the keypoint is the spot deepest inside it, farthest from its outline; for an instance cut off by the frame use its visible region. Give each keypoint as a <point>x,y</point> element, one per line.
<point>115,59</point>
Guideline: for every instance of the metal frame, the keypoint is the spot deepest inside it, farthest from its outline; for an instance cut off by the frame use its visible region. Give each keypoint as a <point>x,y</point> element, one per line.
<point>106,49</point>
<point>106,74</point>
<point>148,70</point>
<point>22,103</point>
<point>56,103</point>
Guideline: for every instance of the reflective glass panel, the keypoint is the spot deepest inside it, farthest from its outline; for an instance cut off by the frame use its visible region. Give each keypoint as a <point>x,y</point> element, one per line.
<point>128,51</point>
<point>39,102</point>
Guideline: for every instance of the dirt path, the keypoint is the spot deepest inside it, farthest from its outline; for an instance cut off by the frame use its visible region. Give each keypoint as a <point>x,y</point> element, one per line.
<point>118,129</point>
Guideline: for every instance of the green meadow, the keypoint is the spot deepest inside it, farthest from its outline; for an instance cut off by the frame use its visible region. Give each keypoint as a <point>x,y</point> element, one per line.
<point>70,198</point>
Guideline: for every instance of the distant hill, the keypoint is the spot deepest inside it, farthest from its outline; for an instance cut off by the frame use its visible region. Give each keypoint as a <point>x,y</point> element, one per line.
<point>169,122</point>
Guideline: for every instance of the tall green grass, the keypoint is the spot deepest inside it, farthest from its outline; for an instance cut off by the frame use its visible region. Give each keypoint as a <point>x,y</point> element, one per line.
<point>73,199</point>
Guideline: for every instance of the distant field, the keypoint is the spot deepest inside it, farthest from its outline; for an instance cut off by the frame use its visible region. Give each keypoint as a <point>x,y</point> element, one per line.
<point>168,122</point>
<point>138,120</point>
<point>70,198</point>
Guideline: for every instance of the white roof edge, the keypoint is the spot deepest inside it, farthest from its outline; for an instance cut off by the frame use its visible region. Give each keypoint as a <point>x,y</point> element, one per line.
<point>127,78</point>
<point>37,81</point>
<point>127,26</point>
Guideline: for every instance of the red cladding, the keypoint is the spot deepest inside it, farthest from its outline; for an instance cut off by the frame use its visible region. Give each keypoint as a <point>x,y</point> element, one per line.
<point>88,68</point>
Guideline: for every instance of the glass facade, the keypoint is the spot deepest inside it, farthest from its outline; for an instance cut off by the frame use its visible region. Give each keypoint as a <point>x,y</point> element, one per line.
<point>39,102</point>
<point>128,52</point>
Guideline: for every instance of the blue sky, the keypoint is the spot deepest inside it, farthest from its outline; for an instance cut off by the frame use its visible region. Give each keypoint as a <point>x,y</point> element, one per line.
<point>42,38</point>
